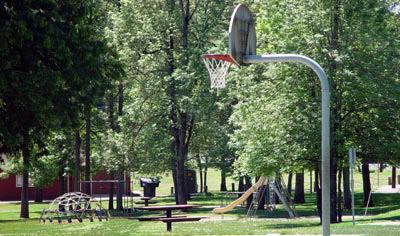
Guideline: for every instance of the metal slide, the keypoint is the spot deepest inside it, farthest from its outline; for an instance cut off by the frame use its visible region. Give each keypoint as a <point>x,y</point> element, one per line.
<point>221,210</point>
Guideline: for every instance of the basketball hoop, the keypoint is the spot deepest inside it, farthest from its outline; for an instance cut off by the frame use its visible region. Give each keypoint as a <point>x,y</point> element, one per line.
<point>242,51</point>
<point>217,66</point>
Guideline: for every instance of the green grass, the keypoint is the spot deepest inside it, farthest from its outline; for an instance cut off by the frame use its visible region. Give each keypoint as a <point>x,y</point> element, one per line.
<point>234,223</point>
<point>214,181</point>
<point>386,209</point>
<point>166,182</point>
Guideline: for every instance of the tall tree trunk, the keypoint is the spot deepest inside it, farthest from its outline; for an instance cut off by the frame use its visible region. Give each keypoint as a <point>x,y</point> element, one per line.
<point>299,191</point>
<point>115,126</point>
<point>200,172</point>
<point>346,188</point>
<point>393,177</point>
<point>289,182</point>
<point>366,182</point>
<point>181,189</point>
<point>241,186</point>
<point>339,200</point>
<point>223,180</point>
<point>311,182</point>
<point>111,193</point>
<point>248,185</point>
<point>61,177</point>
<point>175,179</point>
<point>121,184</point>
<point>182,122</point>
<point>178,131</point>
<point>319,193</point>
<point>38,194</point>
<point>333,171</point>
<point>120,191</point>
<point>336,104</point>
<point>78,142</point>
<point>87,147</point>
<point>180,152</point>
<point>381,167</point>
<point>120,103</point>
<point>205,175</point>
<point>170,45</point>
<point>24,213</point>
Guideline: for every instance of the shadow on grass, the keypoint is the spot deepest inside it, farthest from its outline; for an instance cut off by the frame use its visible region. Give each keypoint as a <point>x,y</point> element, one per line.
<point>389,218</point>
<point>31,203</point>
<point>18,220</point>
<point>291,225</point>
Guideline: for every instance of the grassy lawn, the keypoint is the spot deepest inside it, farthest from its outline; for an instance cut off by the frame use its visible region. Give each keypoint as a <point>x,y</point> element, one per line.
<point>214,181</point>
<point>382,219</point>
<point>166,182</point>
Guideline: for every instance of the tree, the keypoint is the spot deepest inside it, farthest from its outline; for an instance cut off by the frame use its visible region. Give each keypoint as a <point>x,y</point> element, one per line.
<point>166,40</point>
<point>299,190</point>
<point>349,40</point>
<point>49,60</point>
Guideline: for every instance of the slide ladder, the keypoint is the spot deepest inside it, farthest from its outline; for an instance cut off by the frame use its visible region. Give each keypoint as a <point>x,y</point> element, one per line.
<point>288,196</point>
<point>271,196</point>
<point>284,197</point>
<point>257,199</point>
<point>259,189</point>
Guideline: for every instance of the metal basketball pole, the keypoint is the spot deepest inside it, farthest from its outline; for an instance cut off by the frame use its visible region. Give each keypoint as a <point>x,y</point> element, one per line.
<point>325,146</point>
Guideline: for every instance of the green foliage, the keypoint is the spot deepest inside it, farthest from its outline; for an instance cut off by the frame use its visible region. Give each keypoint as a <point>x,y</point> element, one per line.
<point>277,117</point>
<point>142,32</point>
<point>53,59</point>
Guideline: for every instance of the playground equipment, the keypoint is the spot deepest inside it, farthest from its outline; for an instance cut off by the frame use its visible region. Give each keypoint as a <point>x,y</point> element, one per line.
<point>242,51</point>
<point>102,187</point>
<point>273,187</point>
<point>258,191</point>
<point>241,199</point>
<point>74,205</point>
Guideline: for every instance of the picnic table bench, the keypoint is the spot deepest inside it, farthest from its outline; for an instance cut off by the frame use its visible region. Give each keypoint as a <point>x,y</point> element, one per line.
<point>168,218</point>
<point>169,221</point>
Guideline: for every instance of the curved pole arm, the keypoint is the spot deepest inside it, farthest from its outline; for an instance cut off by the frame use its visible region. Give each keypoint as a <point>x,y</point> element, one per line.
<point>325,145</point>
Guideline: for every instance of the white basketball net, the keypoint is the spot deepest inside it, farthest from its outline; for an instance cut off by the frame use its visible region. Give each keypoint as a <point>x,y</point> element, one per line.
<point>218,70</point>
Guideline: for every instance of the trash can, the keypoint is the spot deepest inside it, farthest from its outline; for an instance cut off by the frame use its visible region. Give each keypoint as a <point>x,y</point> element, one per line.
<point>149,186</point>
<point>191,181</point>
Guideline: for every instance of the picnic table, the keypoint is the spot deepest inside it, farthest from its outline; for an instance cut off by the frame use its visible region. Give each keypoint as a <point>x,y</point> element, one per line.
<point>168,218</point>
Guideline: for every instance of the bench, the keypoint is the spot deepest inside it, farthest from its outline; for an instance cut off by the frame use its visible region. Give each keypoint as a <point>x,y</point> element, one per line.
<point>153,218</point>
<point>169,221</point>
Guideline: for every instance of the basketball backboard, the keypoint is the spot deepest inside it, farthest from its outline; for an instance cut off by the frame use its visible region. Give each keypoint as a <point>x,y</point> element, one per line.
<point>242,34</point>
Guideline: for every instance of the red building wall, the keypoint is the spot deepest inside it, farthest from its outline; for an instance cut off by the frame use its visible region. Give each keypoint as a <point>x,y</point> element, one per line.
<point>10,192</point>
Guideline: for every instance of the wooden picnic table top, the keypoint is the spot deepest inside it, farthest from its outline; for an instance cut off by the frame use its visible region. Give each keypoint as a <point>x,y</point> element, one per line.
<point>167,207</point>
